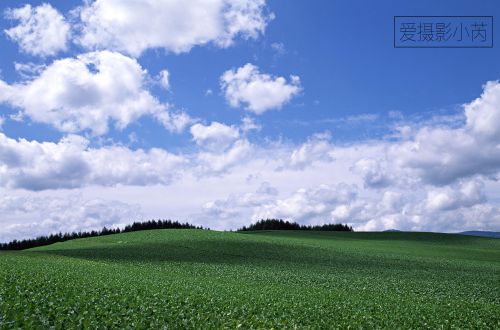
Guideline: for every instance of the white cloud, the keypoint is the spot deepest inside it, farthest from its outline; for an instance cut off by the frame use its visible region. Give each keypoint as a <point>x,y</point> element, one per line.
<point>50,215</point>
<point>308,205</point>
<point>428,210</point>
<point>483,114</point>
<point>221,161</point>
<point>466,194</point>
<point>248,124</point>
<point>435,178</point>
<point>404,210</point>
<point>88,92</point>
<point>317,148</point>
<point>133,26</point>
<point>174,121</point>
<point>71,163</point>
<point>164,78</point>
<point>431,179</point>
<point>41,30</point>
<point>375,173</point>
<point>235,204</point>
<point>215,136</point>
<point>442,155</point>
<point>218,187</point>
<point>222,147</point>
<point>259,91</point>
<point>28,70</point>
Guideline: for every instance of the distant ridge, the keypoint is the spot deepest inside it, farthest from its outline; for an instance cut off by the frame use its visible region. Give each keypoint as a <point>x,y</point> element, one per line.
<point>480,233</point>
<point>392,231</point>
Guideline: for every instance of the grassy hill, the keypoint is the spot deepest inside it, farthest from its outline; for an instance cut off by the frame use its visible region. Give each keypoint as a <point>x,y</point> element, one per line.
<point>284,279</point>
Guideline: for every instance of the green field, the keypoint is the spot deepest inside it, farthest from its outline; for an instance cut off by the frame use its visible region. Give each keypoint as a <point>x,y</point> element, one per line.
<point>281,279</point>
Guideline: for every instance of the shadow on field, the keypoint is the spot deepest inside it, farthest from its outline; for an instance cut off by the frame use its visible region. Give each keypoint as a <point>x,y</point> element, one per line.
<point>245,251</point>
<point>202,251</point>
<point>231,252</point>
<point>423,237</point>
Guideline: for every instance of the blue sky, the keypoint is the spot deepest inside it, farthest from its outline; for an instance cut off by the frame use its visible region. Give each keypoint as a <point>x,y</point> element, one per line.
<point>343,101</point>
<point>343,53</point>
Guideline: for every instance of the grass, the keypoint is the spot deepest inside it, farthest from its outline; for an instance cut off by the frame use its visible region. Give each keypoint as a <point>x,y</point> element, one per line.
<point>207,279</point>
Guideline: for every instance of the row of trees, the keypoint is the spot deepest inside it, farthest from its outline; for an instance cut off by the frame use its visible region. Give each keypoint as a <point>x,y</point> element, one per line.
<point>60,237</point>
<point>279,224</point>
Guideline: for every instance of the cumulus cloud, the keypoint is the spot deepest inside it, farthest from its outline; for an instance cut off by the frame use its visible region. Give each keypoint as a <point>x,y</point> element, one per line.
<point>483,114</point>
<point>133,26</point>
<point>259,91</point>
<point>317,148</point>
<point>308,205</point>
<point>50,215</point>
<point>311,206</point>
<point>375,173</point>
<point>71,163</point>
<point>435,178</point>
<point>28,70</point>
<point>439,154</point>
<point>215,136</point>
<point>217,183</point>
<point>88,92</point>
<point>41,30</point>
<point>426,209</point>
<point>432,178</point>
<point>174,121</point>
<point>418,209</point>
<point>465,194</point>
<point>223,147</point>
<point>221,161</point>
<point>234,207</point>
<point>443,155</point>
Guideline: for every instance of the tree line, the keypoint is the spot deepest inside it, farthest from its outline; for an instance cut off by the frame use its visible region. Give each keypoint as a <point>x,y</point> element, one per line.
<point>279,224</point>
<point>60,237</point>
<point>268,224</point>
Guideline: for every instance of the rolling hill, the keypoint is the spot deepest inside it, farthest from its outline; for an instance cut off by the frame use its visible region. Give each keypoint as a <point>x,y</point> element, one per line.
<point>282,279</point>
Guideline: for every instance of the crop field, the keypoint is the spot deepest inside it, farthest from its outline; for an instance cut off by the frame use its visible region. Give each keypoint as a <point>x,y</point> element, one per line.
<point>282,279</point>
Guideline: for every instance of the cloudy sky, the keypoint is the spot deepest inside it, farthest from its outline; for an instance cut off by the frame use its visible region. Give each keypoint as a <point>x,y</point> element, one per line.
<point>223,112</point>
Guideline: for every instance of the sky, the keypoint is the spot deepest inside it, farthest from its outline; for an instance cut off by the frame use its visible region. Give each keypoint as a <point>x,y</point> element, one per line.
<point>222,113</point>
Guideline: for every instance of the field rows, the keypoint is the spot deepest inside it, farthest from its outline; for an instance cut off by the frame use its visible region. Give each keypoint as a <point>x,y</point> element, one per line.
<point>195,278</point>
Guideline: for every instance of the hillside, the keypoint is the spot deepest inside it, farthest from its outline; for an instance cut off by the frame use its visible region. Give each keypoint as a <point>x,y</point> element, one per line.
<point>209,279</point>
